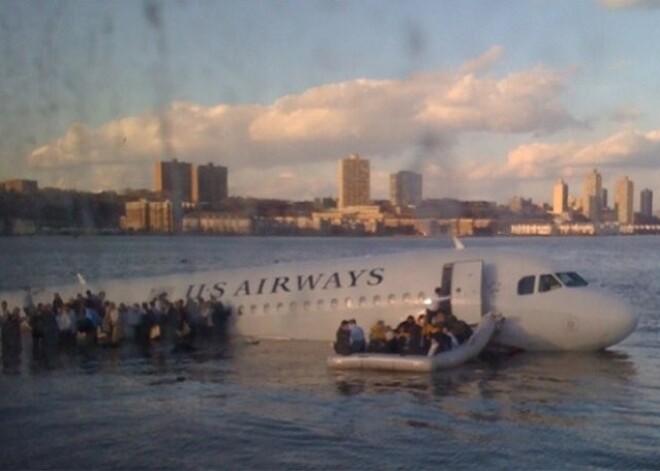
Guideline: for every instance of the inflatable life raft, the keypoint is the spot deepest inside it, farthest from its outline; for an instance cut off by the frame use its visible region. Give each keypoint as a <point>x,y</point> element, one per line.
<point>418,363</point>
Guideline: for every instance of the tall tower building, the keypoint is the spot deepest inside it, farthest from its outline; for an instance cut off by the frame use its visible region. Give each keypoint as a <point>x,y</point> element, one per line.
<point>591,195</point>
<point>560,197</point>
<point>174,180</point>
<point>646,205</point>
<point>623,201</point>
<point>209,183</point>
<point>353,182</point>
<point>405,189</point>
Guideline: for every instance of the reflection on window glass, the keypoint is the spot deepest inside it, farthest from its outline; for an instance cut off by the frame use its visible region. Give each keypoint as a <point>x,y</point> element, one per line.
<point>548,283</point>
<point>571,279</point>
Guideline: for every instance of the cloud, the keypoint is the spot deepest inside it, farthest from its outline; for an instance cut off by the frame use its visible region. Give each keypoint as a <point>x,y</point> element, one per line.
<point>626,115</point>
<point>627,151</point>
<point>629,4</point>
<point>419,118</point>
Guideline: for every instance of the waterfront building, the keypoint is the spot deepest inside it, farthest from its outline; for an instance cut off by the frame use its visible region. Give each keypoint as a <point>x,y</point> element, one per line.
<point>25,187</point>
<point>136,216</point>
<point>161,216</point>
<point>209,183</point>
<point>173,180</point>
<point>405,188</point>
<point>623,201</point>
<point>646,205</point>
<point>152,216</point>
<point>520,205</point>
<point>592,195</point>
<point>560,197</point>
<point>353,182</point>
<point>218,223</point>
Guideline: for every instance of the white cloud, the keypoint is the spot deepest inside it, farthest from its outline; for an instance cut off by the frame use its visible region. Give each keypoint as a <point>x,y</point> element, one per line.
<point>535,166</point>
<point>628,4</point>
<point>417,119</point>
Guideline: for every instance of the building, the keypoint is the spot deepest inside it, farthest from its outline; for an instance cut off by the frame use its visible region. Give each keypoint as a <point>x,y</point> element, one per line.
<point>136,216</point>
<point>209,184</point>
<point>592,192</point>
<point>152,216</point>
<point>21,186</point>
<point>560,197</point>
<point>353,182</point>
<point>623,201</point>
<point>173,180</point>
<point>405,189</point>
<point>646,205</point>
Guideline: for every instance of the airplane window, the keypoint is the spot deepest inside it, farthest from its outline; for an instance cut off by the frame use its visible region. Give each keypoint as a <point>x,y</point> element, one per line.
<point>348,302</point>
<point>421,297</point>
<point>548,283</point>
<point>376,300</point>
<point>280,307</point>
<point>241,310</point>
<point>320,304</point>
<point>526,285</point>
<point>406,297</point>
<point>293,307</point>
<point>333,304</point>
<point>307,305</point>
<point>571,279</point>
<point>266,308</point>
<point>253,309</point>
<point>363,301</point>
<point>391,299</point>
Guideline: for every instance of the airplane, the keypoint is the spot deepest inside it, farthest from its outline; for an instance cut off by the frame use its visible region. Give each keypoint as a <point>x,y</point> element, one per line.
<point>545,307</point>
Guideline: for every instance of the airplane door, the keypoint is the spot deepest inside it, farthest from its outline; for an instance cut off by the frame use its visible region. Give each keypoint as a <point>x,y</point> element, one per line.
<point>466,281</point>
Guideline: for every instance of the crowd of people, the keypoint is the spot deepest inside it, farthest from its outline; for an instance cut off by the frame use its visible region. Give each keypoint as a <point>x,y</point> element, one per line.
<point>91,319</point>
<point>431,333</point>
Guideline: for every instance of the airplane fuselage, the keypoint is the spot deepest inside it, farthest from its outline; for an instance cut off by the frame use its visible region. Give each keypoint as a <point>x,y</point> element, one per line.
<point>309,300</point>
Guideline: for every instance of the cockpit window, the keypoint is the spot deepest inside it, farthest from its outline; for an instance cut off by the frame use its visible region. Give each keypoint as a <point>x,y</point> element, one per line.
<point>571,279</point>
<point>526,285</point>
<point>548,283</point>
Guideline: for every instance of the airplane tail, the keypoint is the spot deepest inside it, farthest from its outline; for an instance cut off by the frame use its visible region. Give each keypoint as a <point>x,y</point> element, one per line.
<point>457,243</point>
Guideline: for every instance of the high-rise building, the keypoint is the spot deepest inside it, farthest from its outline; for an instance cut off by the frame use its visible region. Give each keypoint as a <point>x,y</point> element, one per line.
<point>592,193</point>
<point>405,188</point>
<point>209,183</point>
<point>174,180</point>
<point>560,197</point>
<point>353,182</point>
<point>623,201</point>
<point>646,205</point>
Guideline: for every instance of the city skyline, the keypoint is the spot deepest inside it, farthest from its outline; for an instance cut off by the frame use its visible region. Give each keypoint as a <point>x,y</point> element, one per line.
<point>176,179</point>
<point>95,93</point>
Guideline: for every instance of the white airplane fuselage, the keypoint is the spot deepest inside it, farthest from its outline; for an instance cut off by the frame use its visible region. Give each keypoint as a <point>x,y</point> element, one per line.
<point>309,300</point>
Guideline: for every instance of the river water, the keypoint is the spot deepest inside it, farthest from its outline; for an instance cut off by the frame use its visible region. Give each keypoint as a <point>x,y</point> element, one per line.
<point>275,405</point>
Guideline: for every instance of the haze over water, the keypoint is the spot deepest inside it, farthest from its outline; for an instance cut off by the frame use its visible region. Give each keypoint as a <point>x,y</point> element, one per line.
<point>275,405</point>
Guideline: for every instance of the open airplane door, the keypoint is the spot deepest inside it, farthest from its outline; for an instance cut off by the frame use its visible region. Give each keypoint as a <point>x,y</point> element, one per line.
<point>466,281</point>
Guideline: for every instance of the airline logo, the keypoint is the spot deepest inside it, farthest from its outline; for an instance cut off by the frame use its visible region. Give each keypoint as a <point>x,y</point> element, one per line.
<point>365,277</point>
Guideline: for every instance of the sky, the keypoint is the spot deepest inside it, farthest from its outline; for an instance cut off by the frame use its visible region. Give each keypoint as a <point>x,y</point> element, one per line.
<point>486,99</point>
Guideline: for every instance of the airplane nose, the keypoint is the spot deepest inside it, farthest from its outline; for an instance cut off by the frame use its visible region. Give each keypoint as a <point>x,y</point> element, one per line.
<point>619,320</point>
